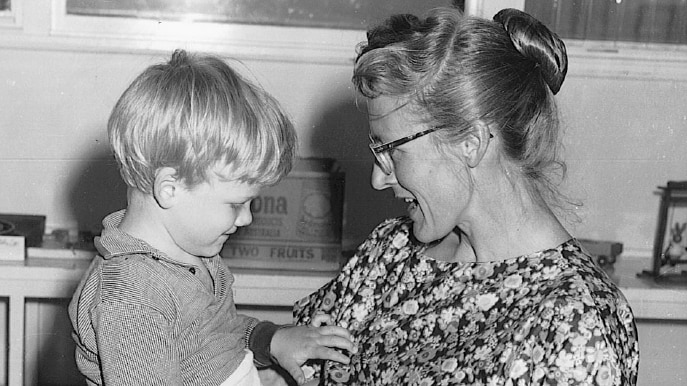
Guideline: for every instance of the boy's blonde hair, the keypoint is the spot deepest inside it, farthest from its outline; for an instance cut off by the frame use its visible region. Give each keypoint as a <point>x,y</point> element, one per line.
<point>195,113</point>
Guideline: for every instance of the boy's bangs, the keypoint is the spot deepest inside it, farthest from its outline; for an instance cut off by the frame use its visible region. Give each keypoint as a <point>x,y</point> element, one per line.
<point>252,139</point>
<point>207,117</point>
<point>262,155</point>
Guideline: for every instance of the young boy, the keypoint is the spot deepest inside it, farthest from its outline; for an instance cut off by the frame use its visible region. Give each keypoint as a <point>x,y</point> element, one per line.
<point>195,143</point>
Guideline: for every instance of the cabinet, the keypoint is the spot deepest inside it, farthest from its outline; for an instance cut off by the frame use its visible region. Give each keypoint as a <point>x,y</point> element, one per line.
<point>37,291</point>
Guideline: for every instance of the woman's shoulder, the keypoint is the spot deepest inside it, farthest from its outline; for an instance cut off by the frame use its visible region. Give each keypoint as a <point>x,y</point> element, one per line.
<point>584,304</point>
<point>581,281</point>
<point>392,226</point>
<point>396,230</point>
<point>391,237</point>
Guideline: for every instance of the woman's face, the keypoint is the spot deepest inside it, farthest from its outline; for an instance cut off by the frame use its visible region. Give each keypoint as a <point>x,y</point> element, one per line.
<point>433,183</point>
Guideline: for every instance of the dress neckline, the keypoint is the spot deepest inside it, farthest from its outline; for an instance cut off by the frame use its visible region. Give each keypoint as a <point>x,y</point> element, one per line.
<point>421,249</point>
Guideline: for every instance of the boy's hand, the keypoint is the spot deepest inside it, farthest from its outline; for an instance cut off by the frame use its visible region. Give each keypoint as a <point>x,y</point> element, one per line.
<point>293,346</point>
<point>320,319</point>
<point>270,377</point>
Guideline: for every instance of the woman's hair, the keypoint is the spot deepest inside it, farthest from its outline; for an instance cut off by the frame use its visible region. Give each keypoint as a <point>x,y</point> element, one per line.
<point>194,114</point>
<point>455,70</point>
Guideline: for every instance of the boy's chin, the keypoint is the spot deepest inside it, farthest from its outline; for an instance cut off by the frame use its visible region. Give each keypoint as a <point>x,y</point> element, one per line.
<point>209,252</point>
<point>214,253</point>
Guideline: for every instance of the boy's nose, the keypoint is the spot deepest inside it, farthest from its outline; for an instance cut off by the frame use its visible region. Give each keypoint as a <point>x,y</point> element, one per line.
<point>245,217</point>
<point>381,180</point>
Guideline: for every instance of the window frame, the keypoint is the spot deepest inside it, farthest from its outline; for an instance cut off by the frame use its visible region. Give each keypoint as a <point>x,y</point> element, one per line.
<point>45,25</point>
<point>595,58</point>
<point>12,18</point>
<point>243,40</point>
<point>48,26</point>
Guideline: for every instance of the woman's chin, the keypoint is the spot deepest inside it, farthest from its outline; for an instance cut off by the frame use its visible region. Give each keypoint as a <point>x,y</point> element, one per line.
<point>421,233</point>
<point>427,234</point>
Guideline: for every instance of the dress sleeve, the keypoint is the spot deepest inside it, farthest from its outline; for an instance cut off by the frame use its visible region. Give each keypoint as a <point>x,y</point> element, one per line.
<point>568,342</point>
<point>332,297</point>
<point>337,297</point>
<point>324,299</point>
<point>328,300</point>
<point>135,346</point>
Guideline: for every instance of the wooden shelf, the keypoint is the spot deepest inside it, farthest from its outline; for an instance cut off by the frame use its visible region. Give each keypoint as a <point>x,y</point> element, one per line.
<point>651,299</point>
<point>57,278</point>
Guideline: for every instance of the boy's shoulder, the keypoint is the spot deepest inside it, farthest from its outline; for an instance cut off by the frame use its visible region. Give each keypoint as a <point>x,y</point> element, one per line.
<point>128,277</point>
<point>132,265</point>
<point>139,281</point>
<point>124,284</point>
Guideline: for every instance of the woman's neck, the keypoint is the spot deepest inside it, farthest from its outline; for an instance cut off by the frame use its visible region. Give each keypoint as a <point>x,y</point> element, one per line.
<point>452,248</point>
<point>507,221</point>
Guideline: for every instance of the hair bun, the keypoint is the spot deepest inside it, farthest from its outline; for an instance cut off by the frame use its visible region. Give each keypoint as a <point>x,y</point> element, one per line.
<point>536,42</point>
<point>396,28</point>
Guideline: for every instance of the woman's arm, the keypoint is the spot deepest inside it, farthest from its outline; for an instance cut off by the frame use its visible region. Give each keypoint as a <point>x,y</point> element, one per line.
<point>572,342</point>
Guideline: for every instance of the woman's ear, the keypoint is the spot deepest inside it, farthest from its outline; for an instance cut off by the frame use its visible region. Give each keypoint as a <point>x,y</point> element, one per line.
<point>166,187</point>
<point>475,146</point>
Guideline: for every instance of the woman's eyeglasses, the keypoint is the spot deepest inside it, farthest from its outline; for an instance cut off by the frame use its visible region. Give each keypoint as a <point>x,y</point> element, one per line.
<point>381,151</point>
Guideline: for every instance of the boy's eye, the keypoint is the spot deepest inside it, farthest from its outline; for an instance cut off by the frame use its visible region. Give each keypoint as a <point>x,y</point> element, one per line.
<point>238,206</point>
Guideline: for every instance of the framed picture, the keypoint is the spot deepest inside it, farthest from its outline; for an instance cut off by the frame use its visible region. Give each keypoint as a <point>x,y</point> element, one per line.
<point>344,14</point>
<point>670,241</point>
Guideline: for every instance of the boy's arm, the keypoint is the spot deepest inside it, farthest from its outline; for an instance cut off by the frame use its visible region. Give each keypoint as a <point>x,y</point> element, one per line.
<point>134,346</point>
<point>292,346</point>
<point>258,337</point>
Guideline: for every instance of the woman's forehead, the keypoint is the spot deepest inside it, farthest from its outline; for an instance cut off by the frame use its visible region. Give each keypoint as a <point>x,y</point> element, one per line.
<point>391,117</point>
<point>383,106</point>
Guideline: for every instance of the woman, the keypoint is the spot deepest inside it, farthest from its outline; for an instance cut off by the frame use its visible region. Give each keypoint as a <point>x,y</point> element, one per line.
<point>480,284</point>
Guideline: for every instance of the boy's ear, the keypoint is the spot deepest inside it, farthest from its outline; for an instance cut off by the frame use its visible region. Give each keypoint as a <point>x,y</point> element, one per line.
<point>475,146</point>
<point>166,187</point>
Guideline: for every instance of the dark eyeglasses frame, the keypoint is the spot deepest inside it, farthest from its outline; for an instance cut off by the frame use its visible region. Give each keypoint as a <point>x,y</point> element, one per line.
<point>380,151</point>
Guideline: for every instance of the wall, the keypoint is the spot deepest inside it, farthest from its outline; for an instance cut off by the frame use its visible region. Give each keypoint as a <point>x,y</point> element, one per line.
<point>662,354</point>
<point>54,158</point>
<point>625,136</point>
<point>624,112</point>
<point>625,117</point>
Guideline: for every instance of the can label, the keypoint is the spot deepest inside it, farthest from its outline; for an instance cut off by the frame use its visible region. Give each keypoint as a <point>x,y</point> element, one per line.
<point>296,225</point>
<point>298,209</point>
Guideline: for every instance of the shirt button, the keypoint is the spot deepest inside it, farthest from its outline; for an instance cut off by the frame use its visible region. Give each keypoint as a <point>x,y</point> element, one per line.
<point>192,270</point>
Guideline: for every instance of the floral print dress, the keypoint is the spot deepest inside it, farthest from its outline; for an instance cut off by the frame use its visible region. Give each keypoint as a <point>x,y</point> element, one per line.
<point>548,318</point>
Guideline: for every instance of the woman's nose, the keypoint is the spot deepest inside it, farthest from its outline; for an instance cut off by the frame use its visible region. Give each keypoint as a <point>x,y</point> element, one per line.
<point>381,180</point>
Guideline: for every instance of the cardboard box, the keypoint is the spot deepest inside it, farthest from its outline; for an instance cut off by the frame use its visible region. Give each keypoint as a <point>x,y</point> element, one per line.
<point>296,223</point>
<point>12,248</point>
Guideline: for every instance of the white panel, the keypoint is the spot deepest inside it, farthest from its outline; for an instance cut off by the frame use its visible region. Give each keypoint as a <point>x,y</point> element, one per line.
<point>489,8</point>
